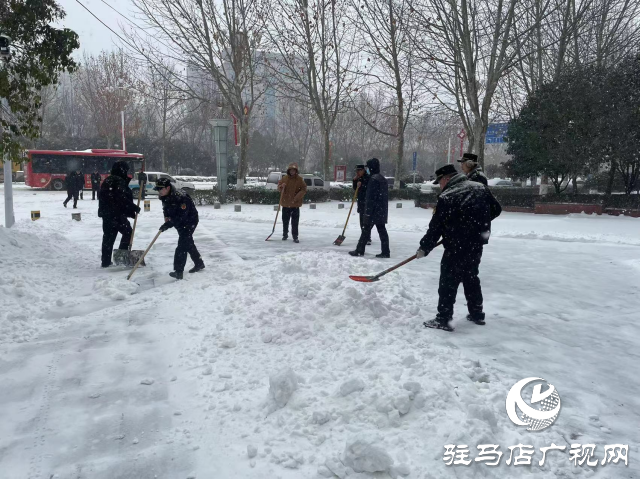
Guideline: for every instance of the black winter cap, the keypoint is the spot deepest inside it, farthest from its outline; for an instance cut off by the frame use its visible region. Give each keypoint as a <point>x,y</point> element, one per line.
<point>444,171</point>
<point>162,183</point>
<point>468,156</point>
<point>360,167</point>
<point>121,169</point>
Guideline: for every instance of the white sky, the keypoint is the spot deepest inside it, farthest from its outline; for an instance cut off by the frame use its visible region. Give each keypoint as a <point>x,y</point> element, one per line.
<point>94,36</point>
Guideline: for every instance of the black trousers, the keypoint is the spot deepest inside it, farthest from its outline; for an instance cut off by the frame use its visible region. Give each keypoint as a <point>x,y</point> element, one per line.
<point>143,190</point>
<point>110,229</point>
<point>72,194</point>
<point>460,267</point>
<point>95,190</point>
<point>362,226</point>
<point>186,246</point>
<point>366,235</point>
<point>292,214</point>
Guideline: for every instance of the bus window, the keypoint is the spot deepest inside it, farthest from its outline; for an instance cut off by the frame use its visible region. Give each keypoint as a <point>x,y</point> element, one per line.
<point>40,164</point>
<point>49,164</point>
<point>136,165</point>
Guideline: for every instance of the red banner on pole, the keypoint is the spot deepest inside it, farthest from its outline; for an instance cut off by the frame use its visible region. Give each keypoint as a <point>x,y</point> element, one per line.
<point>340,173</point>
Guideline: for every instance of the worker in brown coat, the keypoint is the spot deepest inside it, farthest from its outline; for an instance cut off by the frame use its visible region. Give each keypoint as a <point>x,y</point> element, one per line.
<point>293,189</point>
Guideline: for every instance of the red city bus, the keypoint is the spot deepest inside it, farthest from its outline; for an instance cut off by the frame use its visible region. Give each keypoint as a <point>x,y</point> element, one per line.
<point>49,168</point>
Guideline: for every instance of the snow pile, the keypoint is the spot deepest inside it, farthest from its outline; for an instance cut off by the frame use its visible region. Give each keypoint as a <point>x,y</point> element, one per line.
<point>362,455</point>
<point>281,387</point>
<point>372,392</point>
<point>34,272</point>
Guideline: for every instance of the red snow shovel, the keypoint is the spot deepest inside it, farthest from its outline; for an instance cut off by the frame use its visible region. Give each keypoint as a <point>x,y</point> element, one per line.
<point>276,220</point>
<point>341,238</point>
<point>372,279</point>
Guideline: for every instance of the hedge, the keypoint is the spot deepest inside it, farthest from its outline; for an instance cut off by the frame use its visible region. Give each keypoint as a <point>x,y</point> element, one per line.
<point>262,196</point>
<point>528,197</point>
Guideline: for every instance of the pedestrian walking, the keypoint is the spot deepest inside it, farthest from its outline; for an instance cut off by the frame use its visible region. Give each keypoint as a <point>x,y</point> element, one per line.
<point>71,182</point>
<point>115,206</point>
<point>292,188</point>
<point>95,184</point>
<point>462,219</point>
<point>142,182</point>
<point>80,183</point>
<point>180,213</point>
<point>375,211</point>
<point>360,184</point>
<point>471,168</point>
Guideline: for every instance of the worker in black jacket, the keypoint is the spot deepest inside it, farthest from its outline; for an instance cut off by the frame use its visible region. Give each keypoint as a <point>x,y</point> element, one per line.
<point>95,184</point>
<point>462,219</point>
<point>71,182</point>
<point>375,210</point>
<point>471,168</point>
<point>180,212</point>
<point>360,185</point>
<point>115,205</point>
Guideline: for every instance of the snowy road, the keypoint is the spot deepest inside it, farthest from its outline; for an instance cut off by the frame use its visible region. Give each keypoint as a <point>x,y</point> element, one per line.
<point>562,296</point>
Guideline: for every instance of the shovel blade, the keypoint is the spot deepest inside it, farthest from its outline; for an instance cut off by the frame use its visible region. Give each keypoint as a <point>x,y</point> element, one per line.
<point>127,258</point>
<point>269,237</point>
<point>339,240</point>
<point>364,279</point>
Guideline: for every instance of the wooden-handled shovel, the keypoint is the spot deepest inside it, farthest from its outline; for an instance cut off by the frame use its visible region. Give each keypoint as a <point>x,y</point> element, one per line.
<point>341,238</point>
<point>372,279</point>
<point>276,220</point>
<point>143,255</point>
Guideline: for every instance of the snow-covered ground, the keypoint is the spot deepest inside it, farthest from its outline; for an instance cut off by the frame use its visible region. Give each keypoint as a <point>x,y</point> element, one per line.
<point>273,364</point>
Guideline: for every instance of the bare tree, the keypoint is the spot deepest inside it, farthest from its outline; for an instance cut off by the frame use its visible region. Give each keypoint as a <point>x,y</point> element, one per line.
<point>387,64</point>
<point>107,86</point>
<point>467,49</point>
<point>220,38</point>
<point>310,37</point>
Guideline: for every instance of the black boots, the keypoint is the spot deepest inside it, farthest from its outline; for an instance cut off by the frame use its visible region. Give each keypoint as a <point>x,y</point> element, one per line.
<point>196,268</point>
<point>176,274</point>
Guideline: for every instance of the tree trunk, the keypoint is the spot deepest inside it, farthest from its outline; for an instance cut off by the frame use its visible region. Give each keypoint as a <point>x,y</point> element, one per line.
<point>326,162</point>
<point>244,150</point>
<point>164,135</point>
<point>574,185</point>
<point>479,135</point>
<point>612,176</point>
<point>400,151</point>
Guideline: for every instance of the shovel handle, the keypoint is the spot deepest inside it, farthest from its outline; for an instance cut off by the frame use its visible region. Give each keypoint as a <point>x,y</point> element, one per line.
<point>135,221</point>
<point>278,212</point>
<point>409,259</point>
<point>143,255</point>
<point>355,195</point>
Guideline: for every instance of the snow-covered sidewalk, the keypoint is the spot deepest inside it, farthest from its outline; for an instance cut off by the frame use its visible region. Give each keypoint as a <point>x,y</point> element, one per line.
<point>272,363</point>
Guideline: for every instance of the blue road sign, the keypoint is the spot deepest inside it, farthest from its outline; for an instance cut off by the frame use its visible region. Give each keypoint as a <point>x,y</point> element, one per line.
<point>415,160</point>
<point>496,133</point>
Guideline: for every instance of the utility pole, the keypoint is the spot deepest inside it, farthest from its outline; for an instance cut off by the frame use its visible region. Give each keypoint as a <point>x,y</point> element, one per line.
<point>9,217</point>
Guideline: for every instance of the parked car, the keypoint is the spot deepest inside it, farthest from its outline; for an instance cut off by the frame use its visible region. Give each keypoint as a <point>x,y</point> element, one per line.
<point>429,187</point>
<point>501,183</point>
<point>153,176</point>
<point>313,182</point>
